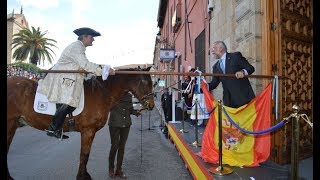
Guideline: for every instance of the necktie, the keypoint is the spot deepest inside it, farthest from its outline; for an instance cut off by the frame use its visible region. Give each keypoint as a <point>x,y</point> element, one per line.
<point>221,65</point>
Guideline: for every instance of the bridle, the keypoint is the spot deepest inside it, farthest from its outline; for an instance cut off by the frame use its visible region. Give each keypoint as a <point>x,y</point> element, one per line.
<point>145,99</point>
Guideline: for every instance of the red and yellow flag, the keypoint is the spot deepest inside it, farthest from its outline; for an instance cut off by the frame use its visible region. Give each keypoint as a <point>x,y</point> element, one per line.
<point>238,148</point>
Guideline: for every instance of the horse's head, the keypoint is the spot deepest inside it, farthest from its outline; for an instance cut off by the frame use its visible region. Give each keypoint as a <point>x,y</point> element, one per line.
<point>141,87</point>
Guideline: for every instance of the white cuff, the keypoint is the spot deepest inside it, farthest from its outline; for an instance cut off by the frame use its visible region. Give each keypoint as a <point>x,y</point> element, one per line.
<point>105,72</point>
<point>245,71</point>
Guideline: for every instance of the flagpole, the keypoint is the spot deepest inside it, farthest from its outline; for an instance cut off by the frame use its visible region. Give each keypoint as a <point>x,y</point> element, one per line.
<point>196,142</point>
<point>220,170</point>
<point>182,130</point>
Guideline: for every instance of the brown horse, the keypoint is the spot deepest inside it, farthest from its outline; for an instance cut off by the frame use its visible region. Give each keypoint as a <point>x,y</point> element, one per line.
<point>100,97</point>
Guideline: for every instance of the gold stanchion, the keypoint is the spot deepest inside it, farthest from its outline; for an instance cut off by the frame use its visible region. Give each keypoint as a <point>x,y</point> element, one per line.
<point>295,117</point>
<point>295,144</point>
<point>182,130</point>
<point>220,170</point>
<point>196,143</point>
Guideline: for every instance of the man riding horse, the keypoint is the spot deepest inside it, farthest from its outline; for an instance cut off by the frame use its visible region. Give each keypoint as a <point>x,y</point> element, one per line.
<point>65,89</point>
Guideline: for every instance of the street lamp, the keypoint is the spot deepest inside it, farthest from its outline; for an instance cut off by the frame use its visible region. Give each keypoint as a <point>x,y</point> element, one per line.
<point>162,41</point>
<point>158,35</point>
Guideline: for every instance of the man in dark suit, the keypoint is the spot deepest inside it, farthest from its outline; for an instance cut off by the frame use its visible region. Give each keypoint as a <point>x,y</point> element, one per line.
<point>166,104</point>
<point>237,90</point>
<point>119,127</point>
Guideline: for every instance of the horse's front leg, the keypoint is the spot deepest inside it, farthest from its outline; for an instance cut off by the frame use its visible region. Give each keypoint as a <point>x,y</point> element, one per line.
<point>87,136</point>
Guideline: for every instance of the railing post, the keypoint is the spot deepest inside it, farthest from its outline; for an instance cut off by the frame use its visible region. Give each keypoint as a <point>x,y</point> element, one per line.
<point>196,142</point>
<point>182,130</point>
<point>295,144</point>
<point>220,170</point>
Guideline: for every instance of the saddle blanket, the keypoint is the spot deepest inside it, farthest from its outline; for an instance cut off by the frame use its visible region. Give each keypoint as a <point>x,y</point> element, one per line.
<point>43,106</point>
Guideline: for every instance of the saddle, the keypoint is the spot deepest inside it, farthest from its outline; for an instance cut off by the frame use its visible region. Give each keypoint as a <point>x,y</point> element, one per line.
<point>43,106</point>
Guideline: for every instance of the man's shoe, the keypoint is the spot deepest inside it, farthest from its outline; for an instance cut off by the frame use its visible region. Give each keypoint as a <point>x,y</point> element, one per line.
<point>120,174</point>
<point>111,173</point>
<point>56,134</point>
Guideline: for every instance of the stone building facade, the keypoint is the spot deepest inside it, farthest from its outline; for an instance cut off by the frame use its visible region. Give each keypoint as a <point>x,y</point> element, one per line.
<point>15,23</point>
<point>276,37</point>
<point>238,24</point>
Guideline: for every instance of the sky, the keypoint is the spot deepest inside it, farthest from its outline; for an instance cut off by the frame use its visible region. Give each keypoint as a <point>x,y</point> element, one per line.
<point>128,27</point>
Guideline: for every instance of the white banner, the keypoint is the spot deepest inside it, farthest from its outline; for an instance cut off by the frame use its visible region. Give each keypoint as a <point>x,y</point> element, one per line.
<point>202,108</point>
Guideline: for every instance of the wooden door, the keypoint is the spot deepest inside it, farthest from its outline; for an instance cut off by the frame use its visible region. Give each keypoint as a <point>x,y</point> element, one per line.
<point>290,52</point>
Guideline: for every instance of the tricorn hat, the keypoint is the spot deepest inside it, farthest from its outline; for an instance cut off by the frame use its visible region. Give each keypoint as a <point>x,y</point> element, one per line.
<point>86,31</point>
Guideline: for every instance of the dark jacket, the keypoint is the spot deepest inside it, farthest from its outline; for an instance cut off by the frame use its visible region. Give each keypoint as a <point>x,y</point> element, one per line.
<point>184,86</point>
<point>166,104</point>
<point>120,113</point>
<point>236,92</point>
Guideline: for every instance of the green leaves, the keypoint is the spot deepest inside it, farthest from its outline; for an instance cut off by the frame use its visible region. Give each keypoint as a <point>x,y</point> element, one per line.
<point>26,66</point>
<point>32,43</point>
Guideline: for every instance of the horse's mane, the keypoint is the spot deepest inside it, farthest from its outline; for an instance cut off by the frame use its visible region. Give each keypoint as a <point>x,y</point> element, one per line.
<point>98,82</point>
<point>135,69</point>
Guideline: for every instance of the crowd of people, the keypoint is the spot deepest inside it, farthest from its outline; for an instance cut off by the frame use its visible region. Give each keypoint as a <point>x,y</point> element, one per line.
<point>18,71</point>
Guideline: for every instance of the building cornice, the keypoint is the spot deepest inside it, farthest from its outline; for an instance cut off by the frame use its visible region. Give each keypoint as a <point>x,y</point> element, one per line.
<point>162,12</point>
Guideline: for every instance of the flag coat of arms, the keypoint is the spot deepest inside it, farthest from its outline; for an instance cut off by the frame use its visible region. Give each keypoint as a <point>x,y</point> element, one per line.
<point>238,148</point>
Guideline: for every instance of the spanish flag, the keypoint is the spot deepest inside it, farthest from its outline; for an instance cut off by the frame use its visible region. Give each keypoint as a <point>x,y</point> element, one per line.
<point>238,148</point>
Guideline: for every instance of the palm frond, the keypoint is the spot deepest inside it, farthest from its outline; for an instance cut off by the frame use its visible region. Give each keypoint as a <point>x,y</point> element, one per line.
<point>33,43</point>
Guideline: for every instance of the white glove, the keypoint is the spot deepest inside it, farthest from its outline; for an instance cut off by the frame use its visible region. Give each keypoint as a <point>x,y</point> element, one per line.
<point>89,76</point>
<point>105,71</point>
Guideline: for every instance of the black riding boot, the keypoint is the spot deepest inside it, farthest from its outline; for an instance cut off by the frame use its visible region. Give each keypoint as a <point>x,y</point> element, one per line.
<point>54,128</point>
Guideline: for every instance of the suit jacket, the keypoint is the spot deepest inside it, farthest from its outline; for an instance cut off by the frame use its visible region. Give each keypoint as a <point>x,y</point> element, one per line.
<point>166,104</point>
<point>67,88</point>
<point>236,92</point>
<point>120,113</point>
<point>184,86</point>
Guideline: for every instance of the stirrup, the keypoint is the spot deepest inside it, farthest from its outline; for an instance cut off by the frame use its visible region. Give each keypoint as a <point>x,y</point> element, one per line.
<point>57,134</point>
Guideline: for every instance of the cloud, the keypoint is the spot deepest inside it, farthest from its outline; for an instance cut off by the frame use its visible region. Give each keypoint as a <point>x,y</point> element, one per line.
<point>40,4</point>
<point>124,44</point>
<point>56,29</point>
<point>128,35</point>
<point>79,10</point>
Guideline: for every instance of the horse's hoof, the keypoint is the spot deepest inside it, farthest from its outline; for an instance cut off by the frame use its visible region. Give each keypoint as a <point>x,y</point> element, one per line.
<point>85,176</point>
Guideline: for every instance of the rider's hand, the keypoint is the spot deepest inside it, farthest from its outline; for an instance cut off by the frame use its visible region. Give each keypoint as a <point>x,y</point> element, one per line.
<point>112,71</point>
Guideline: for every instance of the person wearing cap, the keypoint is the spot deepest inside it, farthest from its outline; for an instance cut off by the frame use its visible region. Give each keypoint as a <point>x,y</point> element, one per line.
<point>65,89</point>
<point>119,126</point>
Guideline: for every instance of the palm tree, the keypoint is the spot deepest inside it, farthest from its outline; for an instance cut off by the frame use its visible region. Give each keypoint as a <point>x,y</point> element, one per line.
<point>32,43</point>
